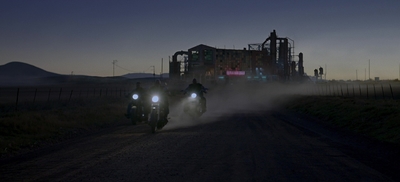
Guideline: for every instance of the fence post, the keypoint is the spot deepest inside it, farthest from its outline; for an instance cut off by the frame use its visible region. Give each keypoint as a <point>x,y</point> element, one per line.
<point>16,102</point>
<point>391,91</point>
<point>383,93</point>
<point>34,97</point>
<point>359,87</point>
<point>335,90</point>
<point>347,86</point>
<point>367,91</point>
<point>341,90</point>
<point>354,95</point>
<point>374,91</point>
<point>70,95</point>
<point>59,95</point>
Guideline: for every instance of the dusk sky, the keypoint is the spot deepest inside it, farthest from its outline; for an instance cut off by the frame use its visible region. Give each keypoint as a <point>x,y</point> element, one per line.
<point>85,36</point>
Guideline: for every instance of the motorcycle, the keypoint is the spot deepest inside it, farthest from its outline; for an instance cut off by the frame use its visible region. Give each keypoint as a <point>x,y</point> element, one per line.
<point>157,118</point>
<point>137,109</point>
<point>193,105</point>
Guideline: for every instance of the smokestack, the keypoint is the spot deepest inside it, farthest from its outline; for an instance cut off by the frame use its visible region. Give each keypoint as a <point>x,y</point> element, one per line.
<point>301,68</point>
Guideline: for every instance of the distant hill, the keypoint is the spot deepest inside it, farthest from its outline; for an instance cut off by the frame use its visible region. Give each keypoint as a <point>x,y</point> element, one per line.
<point>22,74</point>
<point>23,70</point>
<point>144,75</point>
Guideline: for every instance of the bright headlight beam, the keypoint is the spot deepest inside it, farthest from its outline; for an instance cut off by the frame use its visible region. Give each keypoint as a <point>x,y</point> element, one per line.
<point>135,96</point>
<point>155,99</point>
<point>193,95</point>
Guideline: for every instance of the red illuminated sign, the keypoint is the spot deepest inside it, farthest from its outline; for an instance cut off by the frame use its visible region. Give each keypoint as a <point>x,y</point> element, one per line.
<point>235,73</point>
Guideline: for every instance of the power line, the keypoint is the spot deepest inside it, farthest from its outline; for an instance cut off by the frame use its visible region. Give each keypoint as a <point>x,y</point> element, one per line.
<point>124,68</point>
<point>131,71</point>
<point>150,67</point>
<point>116,65</point>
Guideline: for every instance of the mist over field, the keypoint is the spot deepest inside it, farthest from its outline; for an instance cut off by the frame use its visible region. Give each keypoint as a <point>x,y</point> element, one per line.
<point>226,100</point>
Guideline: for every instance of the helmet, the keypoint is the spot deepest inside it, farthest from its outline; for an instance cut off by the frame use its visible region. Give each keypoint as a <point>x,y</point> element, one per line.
<point>194,80</point>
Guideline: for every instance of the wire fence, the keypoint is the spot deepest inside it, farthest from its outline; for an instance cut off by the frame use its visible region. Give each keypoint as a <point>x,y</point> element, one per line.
<point>31,96</point>
<point>14,98</point>
<point>359,90</point>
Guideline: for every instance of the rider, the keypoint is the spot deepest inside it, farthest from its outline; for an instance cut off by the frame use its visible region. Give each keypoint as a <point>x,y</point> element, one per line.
<point>157,88</point>
<point>199,89</point>
<point>142,94</point>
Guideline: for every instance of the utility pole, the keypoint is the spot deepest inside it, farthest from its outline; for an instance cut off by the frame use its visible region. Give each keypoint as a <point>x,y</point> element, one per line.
<point>365,74</point>
<point>161,68</point>
<point>114,62</point>
<point>154,71</point>
<point>369,69</point>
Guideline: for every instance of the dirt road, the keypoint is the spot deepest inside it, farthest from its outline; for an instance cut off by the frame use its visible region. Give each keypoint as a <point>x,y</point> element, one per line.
<point>240,138</point>
<point>246,146</point>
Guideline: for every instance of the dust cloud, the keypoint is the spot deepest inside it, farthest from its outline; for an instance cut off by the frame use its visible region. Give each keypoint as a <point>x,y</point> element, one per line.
<point>235,98</point>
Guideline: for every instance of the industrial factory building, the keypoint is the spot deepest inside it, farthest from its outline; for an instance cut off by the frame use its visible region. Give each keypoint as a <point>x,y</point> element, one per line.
<point>272,60</point>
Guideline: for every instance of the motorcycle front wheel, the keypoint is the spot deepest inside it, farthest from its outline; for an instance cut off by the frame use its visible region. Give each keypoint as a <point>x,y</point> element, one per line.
<point>134,117</point>
<point>153,122</point>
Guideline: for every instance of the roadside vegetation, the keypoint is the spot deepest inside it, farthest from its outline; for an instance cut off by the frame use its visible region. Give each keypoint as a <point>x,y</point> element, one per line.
<point>378,119</point>
<point>39,124</point>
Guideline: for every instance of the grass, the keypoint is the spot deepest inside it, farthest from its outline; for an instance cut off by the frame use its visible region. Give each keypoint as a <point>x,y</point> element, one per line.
<point>379,119</point>
<point>49,123</point>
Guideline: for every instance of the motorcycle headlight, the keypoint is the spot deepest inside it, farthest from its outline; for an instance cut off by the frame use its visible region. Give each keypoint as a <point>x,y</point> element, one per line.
<point>135,96</point>
<point>193,95</point>
<point>155,99</point>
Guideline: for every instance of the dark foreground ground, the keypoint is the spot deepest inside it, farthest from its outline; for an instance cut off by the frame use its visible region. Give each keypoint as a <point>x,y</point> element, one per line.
<point>243,146</point>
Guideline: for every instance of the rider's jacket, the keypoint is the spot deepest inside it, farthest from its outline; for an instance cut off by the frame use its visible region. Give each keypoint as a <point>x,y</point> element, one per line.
<point>158,90</point>
<point>197,88</point>
<point>140,91</point>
